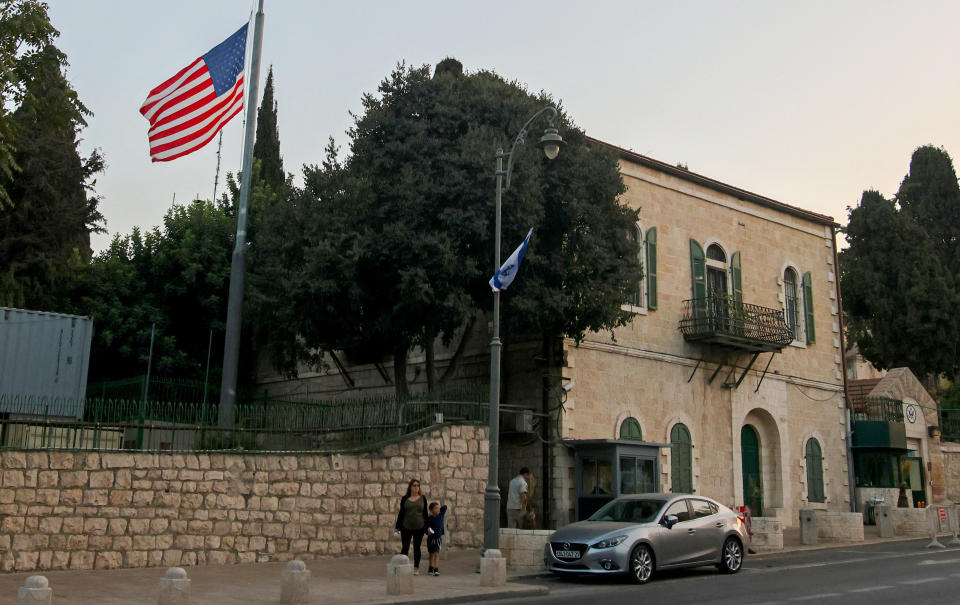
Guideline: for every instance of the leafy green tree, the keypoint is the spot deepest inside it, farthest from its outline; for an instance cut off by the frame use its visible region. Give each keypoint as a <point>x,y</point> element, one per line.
<point>175,276</point>
<point>266,148</point>
<point>45,234</point>
<point>416,250</point>
<point>899,272</point>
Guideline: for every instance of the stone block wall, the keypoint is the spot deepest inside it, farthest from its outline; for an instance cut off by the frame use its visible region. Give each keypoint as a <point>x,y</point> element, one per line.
<point>951,469</point>
<point>910,521</point>
<point>61,510</point>
<point>839,527</point>
<point>523,548</point>
<point>767,532</point>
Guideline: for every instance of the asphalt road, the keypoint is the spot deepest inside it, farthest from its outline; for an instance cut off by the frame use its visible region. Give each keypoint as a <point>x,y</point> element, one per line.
<point>903,572</point>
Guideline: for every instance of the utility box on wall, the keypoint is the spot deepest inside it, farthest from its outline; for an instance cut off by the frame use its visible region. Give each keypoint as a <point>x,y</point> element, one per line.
<point>43,355</point>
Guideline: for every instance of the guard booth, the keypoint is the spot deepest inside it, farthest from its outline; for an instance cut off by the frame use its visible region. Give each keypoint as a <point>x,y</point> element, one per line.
<point>608,468</point>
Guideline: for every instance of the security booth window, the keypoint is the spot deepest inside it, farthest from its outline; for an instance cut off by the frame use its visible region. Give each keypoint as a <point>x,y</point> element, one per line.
<point>877,468</point>
<point>636,475</point>
<point>597,477</point>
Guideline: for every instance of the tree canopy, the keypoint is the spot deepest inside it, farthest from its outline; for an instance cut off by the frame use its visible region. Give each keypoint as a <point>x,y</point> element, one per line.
<point>899,274</point>
<point>411,235</point>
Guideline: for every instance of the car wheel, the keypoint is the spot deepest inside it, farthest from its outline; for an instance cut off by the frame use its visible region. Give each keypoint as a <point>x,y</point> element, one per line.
<point>641,564</point>
<point>731,558</point>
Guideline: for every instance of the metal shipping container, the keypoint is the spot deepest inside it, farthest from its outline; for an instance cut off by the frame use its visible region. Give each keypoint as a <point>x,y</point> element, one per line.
<point>43,355</point>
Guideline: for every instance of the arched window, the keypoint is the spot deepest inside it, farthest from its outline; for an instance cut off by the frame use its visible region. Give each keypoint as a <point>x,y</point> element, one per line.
<point>681,459</point>
<point>630,429</point>
<point>814,460</point>
<point>791,301</point>
<point>716,271</point>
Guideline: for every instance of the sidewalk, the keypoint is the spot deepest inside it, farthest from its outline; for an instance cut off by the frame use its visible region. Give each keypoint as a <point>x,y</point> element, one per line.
<point>332,582</point>
<point>871,535</point>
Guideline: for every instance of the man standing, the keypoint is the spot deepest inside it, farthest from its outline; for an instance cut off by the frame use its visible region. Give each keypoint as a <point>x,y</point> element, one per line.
<point>517,498</point>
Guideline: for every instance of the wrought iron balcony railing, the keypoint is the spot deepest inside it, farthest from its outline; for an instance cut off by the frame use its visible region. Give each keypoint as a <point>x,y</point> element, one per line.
<point>878,409</point>
<point>723,320</point>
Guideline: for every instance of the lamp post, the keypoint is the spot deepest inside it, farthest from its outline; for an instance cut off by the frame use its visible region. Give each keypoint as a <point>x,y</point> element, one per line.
<point>550,142</point>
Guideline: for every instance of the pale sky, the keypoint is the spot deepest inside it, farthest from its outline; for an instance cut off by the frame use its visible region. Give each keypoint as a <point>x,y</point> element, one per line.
<point>806,102</point>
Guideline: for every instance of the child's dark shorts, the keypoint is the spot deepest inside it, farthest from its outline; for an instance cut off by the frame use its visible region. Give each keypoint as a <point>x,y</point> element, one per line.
<point>434,543</point>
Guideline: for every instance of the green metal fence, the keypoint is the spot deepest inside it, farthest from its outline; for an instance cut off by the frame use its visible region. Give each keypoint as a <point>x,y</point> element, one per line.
<point>259,425</point>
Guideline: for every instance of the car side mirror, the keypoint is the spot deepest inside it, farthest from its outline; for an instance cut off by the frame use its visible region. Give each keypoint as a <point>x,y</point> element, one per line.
<point>670,520</point>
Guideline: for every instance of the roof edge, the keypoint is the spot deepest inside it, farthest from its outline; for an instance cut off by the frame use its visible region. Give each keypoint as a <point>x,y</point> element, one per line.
<point>716,185</point>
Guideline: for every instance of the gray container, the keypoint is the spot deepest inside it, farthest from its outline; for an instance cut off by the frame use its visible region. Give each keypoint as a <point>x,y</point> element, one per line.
<point>44,358</point>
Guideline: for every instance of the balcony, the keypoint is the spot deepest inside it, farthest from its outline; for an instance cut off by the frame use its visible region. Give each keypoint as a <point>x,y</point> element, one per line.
<point>725,321</point>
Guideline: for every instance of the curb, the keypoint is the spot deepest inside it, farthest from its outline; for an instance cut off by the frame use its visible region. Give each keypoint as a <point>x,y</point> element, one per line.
<point>532,591</point>
<point>836,545</point>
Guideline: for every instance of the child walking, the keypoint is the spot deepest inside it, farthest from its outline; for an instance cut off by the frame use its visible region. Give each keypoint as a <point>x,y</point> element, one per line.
<point>435,536</point>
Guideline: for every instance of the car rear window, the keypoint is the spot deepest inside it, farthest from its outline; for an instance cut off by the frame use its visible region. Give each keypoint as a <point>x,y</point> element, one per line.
<point>629,511</point>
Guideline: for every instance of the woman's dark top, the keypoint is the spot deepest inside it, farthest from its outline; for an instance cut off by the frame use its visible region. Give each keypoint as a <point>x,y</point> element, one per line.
<point>436,522</point>
<point>412,515</point>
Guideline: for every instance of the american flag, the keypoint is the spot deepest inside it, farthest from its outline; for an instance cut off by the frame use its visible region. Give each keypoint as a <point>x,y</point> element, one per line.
<point>190,108</point>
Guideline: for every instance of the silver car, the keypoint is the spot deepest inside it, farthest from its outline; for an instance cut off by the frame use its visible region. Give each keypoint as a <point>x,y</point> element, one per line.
<point>641,533</point>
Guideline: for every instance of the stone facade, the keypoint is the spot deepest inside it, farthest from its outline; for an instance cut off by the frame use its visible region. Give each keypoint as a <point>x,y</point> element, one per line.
<point>109,510</point>
<point>648,371</point>
<point>951,470</point>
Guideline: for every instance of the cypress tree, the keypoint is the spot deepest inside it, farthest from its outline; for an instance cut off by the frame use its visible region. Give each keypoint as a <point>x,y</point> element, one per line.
<point>266,149</point>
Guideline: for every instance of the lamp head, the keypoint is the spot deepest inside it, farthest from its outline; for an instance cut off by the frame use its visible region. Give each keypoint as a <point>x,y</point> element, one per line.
<point>550,142</point>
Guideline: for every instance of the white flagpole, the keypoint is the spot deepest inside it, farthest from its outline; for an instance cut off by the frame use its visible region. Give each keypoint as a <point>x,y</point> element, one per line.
<point>231,345</point>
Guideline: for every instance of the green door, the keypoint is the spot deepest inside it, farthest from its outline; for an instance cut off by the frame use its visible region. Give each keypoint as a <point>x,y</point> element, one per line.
<point>752,483</point>
<point>912,469</point>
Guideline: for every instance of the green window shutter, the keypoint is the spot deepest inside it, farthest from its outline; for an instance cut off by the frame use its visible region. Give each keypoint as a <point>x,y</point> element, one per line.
<point>698,269</point>
<point>808,307</point>
<point>736,277</point>
<point>814,459</point>
<point>630,429</point>
<point>652,268</point>
<point>633,299</point>
<point>681,456</point>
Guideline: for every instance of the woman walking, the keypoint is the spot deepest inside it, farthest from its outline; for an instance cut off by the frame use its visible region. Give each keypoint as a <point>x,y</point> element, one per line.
<point>412,522</point>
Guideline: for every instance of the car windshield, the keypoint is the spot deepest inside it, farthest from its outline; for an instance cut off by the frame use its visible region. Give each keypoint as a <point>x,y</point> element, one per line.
<point>629,511</point>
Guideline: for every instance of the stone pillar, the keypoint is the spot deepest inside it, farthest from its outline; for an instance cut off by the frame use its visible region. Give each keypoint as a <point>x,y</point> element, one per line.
<point>493,568</point>
<point>809,528</point>
<point>933,520</point>
<point>174,588</point>
<point>954,512</point>
<point>295,589</point>
<point>36,591</point>
<point>399,575</point>
<point>884,520</point>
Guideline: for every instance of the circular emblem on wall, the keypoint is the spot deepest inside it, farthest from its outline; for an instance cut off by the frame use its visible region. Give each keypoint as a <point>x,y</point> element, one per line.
<point>912,413</point>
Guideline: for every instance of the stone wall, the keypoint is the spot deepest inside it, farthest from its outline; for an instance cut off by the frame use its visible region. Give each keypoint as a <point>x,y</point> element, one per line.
<point>63,510</point>
<point>766,533</point>
<point>910,521</point>
<point>839,527</point>
<point>951,469</point>
<point>523,548</point>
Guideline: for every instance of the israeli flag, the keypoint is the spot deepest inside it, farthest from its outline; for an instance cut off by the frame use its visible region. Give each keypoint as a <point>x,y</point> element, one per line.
<point>504,276</point>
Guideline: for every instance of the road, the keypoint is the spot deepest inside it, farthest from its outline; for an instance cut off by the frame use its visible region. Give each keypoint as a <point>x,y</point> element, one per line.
<point>903,572</point>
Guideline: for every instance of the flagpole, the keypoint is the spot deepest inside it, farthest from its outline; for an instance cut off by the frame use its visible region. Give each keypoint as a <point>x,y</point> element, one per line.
<point>231,345</point>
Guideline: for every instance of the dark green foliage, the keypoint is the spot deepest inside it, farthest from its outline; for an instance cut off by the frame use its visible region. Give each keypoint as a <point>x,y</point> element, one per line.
<point>177,277</point>
<point>396,247</point>
<point>45,234</point>
<point>899,273</point>
<point>266,148</point>
<point>29,64</point>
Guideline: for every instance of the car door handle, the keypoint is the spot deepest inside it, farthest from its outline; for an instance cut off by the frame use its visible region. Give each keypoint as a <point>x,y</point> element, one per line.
<point>719,524</point>
<point>691,531</point>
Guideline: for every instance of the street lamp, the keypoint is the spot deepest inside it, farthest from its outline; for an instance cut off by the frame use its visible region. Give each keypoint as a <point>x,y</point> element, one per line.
<point>550,142</point>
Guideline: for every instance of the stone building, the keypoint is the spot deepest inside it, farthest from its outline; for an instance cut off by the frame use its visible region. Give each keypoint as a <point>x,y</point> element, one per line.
<point>727,382</point>
<point>732,359</point>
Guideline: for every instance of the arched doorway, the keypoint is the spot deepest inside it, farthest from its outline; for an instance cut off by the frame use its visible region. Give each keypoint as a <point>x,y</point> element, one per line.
<point>752,475</point>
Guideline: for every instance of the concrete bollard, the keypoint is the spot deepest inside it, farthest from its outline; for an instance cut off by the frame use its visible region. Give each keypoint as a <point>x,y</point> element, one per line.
<point>884,519</point>
<point>295,589</point>
<point>809,528</point>
<point>36,591</point>
<point>493,568</point>
<point>399,575</point>
<point>933,520</point>
<point>174,588</point>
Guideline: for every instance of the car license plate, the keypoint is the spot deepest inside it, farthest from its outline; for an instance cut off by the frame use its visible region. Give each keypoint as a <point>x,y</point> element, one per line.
<point>568,554</point>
